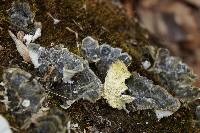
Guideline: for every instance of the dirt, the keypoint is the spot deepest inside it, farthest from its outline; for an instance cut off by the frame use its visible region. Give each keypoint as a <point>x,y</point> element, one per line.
<point>108,24</point>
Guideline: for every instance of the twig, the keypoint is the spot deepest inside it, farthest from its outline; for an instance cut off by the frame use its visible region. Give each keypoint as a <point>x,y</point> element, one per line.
<point>76,35</point>
<point>55,21</point>
<point>77,24</point>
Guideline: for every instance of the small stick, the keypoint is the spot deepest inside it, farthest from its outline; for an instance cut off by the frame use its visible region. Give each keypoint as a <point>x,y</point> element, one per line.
<point>77,24</point>
<point>76,35</point>
<point>55,21</point>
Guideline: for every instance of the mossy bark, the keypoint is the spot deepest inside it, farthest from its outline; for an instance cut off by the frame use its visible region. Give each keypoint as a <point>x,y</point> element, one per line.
<point>107,24</point>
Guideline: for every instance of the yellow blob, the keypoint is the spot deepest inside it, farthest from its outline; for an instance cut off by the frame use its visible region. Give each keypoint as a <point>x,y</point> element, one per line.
<point>115,85</point>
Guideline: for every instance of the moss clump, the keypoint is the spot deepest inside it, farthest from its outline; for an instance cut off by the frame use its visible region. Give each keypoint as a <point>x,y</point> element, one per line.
<point>106,23</point>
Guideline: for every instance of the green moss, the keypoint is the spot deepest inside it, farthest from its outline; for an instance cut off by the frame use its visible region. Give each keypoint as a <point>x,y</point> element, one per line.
<point>107,24</point>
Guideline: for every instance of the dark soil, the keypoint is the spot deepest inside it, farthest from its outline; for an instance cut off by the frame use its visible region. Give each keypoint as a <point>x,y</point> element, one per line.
<point>106,23</point>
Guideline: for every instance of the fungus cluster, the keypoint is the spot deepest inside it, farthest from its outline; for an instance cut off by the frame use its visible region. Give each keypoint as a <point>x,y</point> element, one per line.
<point>70,77</point>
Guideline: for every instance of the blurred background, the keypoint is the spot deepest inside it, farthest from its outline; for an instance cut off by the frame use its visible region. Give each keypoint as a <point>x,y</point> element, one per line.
<point>174,23</point>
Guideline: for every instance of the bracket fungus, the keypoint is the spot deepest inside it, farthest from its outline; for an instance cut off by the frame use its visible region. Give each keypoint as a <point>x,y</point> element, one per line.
<point>86,85</point>
<point>64,62</point>
<point>24,93</point>
<point>51,122</point>
<point>175,76</point>
<point>21,14</point>
<point>106,53</point>
<point>79,81</point>
<point>150,96</point>
<point>90,48</point>
<point>103,55</point>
